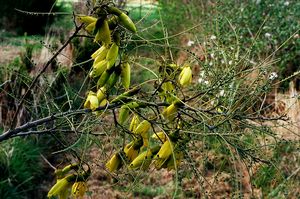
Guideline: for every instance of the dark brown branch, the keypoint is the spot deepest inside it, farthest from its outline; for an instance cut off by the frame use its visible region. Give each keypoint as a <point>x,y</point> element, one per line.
<point>10,133</point>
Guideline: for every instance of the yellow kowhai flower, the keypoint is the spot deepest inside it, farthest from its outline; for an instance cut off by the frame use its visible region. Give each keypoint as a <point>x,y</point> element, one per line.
<point>101,93</point>
<point>143,160</point>
<point>163,154</point>
<point>170,112</point>
<point>160,136</point>
<point>142,129</point>
<point>61,188</point>
<point>79,189</point>
<point>132,149</point>
<point>92,101</point>
<point>114,163</point>
<point>134,122</point>
<point>185,77</point>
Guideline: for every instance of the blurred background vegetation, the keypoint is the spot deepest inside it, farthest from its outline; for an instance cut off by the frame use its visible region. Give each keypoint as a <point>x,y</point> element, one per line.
<point>251,32</point>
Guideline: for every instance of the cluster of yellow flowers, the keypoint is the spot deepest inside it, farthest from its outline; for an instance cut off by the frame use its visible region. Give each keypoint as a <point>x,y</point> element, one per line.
<point>66,180</point>
<point>139,155</point>
<point>163,148</point>
<point>108,65</point>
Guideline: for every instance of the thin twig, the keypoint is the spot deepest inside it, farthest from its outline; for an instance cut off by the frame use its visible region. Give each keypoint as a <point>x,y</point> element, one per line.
<point>31,86</point>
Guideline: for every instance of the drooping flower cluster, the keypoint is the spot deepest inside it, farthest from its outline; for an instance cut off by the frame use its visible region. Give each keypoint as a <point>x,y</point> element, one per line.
<point>109,63</point>
<point>70,180</point>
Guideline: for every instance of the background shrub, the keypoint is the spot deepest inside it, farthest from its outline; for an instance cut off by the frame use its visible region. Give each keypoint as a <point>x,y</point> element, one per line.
<point>12,20</point>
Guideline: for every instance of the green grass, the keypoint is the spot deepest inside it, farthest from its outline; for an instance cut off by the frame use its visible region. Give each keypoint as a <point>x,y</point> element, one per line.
<point>21,168</point>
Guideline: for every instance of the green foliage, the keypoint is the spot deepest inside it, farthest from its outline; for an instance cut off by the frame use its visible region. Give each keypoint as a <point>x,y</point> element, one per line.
<point>277,178</point>
<point>20,168</point>
<point>264,27</point>
<point>148,191</point>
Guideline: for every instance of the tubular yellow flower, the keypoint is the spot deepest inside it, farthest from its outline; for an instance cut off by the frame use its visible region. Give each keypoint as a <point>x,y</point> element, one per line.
<point>60,188</point>
<point>185,77</point>
<point>103,78</point>
<point>142,161</point>
<point>101,93</point>
<point>132,149</point>
<point>90,28</point>
<point>99,51</point>
<point>112,55</point>
<point>87,19</point>
<point>100,56</point>
<point>103,102</point>
<point>114,163</point>
<point>163,154</point>
<point>79,189</point>
<point>127,22</point>
<point>123,18</point>
<point>134,123</point>
<point>159,136</point>
<point>92,101</point>
<point>125,75</point>
<point>142,129</point>
<point>98,69</point>
<point>170,112</point>
<point>103,33</point>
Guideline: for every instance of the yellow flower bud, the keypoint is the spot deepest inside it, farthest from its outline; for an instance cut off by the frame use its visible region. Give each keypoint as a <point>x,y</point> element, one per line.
<point>87,19</point>
<point>127,22</point>
<point>125,75</point>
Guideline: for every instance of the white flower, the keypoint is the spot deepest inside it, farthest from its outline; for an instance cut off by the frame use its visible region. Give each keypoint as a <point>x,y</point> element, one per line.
<point>230,62</point>
<point>212,55</point>
<point>202,73</point>
<point>222,61</point>
<point>206,82</point>
<point>200,80</point>
<point>268,35</point>
<point>190,43</point>
<point>210,63</point>
<point>213,37</point>
<point>273,76</point>
<point>286,3</point>
<point>222,92</point>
